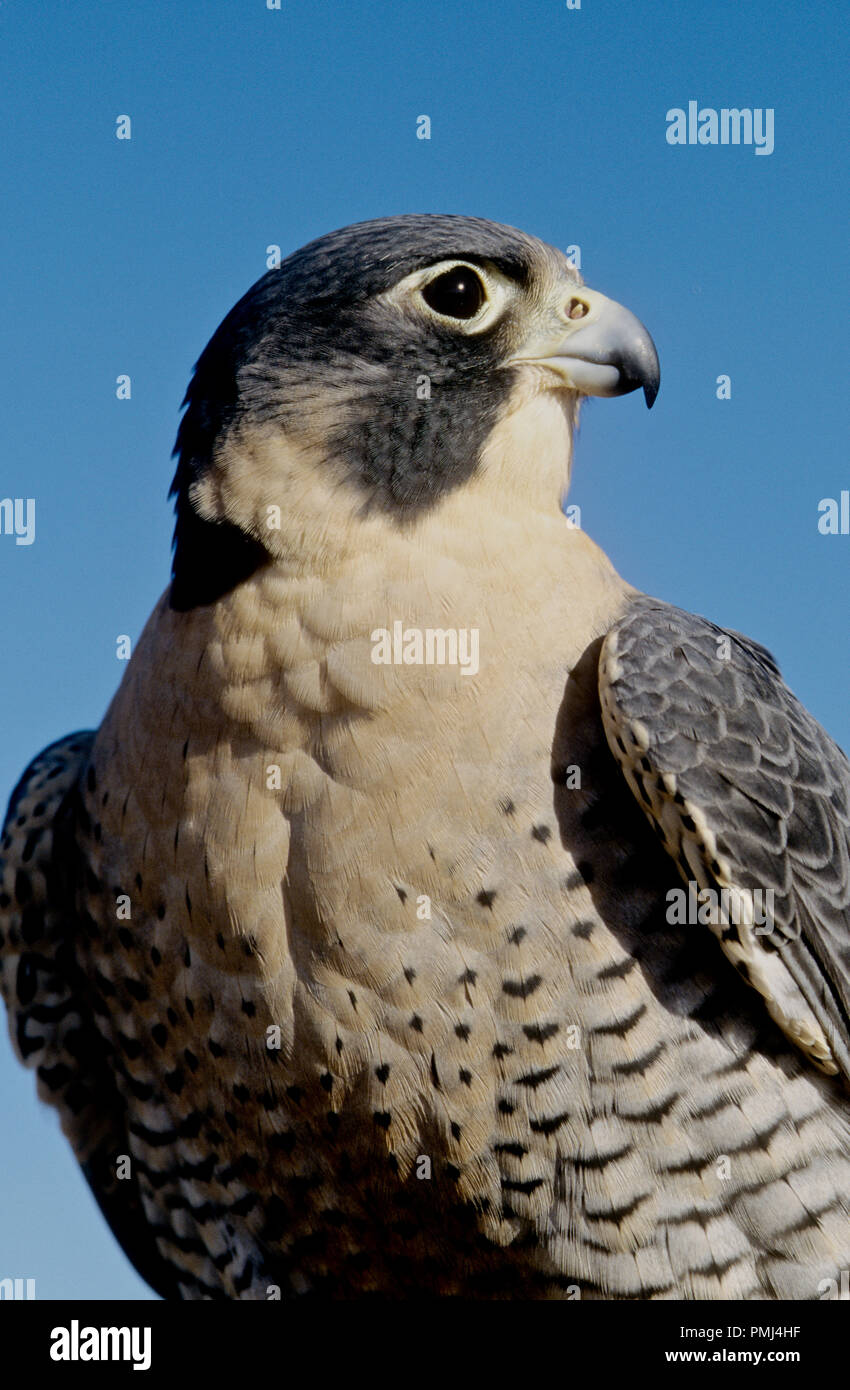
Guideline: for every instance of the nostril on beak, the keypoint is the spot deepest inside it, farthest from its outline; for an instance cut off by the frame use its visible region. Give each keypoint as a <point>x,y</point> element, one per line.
<point>577,309</point>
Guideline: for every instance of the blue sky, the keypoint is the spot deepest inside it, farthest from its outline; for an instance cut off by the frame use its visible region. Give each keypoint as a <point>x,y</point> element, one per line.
<point>253,127</point>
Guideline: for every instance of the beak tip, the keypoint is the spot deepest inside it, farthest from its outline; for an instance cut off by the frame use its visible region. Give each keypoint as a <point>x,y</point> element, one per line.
<point>650,392</point>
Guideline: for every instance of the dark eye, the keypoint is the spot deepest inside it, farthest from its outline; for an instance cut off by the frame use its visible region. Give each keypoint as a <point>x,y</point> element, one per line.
<point>458,293</point>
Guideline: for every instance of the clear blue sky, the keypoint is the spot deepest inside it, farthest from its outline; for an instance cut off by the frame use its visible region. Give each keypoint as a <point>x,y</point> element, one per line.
<point>252,127</point>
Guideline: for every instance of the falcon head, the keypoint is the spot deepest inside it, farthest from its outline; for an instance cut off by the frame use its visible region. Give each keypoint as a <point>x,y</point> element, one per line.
<point>379,370</point>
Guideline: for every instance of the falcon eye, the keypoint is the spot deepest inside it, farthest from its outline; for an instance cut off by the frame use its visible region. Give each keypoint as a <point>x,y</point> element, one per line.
<point>457,293</point>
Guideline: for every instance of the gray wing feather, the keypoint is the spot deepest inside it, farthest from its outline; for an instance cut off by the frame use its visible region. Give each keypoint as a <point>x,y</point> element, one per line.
<point>49,999</point>
<point>714,716</point>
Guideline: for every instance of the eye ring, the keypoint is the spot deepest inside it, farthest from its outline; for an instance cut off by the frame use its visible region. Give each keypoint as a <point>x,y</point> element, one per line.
<point>457,293</point>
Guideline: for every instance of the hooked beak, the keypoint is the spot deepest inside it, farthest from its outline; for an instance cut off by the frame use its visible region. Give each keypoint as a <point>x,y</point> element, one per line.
<point>607,353</point>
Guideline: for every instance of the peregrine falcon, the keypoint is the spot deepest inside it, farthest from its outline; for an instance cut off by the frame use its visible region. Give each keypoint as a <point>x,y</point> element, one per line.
<point>355,965</point>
